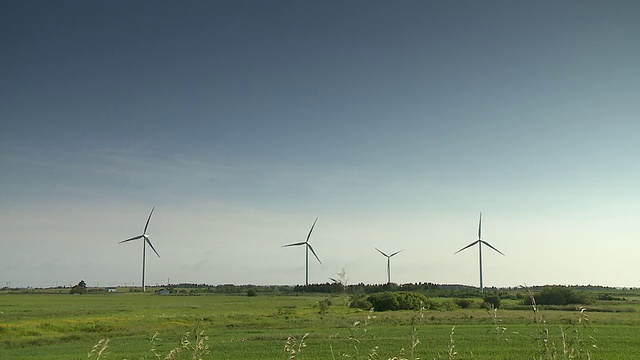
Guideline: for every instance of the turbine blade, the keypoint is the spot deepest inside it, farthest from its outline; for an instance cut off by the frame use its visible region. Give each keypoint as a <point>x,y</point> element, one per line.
<point>334,280</point>
<point>295,244</point>
<point>149,218</point>
<point>489,245</point>
<point>314,224</point>
<point>380,251</point>
<point>468,246</point>
<point>154,249</point>
<point>396,252</point>
<point>133,238</point>
<point>480,227</point>
<point>314,253</point>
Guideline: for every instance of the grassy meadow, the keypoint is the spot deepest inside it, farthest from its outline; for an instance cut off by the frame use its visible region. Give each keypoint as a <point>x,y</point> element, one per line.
<point>148,326</point>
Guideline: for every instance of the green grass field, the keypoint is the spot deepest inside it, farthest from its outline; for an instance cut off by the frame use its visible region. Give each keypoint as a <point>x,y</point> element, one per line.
<point>63,326</point>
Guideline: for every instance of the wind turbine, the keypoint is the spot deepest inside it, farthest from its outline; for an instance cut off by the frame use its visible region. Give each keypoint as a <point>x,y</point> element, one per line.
<point>308,246</point>
<point>480,242</point>
<point>388,262</point>
<point>145,241</point>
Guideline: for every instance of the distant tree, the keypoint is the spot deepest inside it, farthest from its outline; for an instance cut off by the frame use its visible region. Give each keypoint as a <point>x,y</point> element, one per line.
<point>491,301</point>
<point>252,292</point>
<point>81,288</point>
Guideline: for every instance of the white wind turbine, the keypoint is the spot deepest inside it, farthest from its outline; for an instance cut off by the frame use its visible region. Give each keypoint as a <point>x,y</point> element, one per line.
<point>388,262</point>
<point>145,241</point>
<point>308,247</point>
<point>480,242</point>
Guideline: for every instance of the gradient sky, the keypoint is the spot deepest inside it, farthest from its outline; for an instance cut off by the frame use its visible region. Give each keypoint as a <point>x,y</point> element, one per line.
<point>394,122</point>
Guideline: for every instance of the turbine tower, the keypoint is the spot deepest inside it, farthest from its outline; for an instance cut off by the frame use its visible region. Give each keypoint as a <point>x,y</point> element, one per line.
<point>480,242</point>
<point>145,241</point>
<point>308,247</point>
<point>388,262</point>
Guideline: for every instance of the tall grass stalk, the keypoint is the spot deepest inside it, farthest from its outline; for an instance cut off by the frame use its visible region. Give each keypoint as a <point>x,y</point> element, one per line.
<point>293,346</point>
<point>99,350</point>
<point>573,345</point>
<point>452,345</point>
<point>415,320</point>
<point>199,346</point>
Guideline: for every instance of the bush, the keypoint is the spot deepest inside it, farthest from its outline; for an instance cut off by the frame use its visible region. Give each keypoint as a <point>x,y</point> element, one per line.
<point>324,305</point>
<point>411,300</point>
<point>384,301</point>
<point>359,301</point>
<point>252,292</point>
<point>607,297</point>
<point>491,301</point>
<point>81,288</point>
<point>402,300</point>
<point>448,305</point>
<point>559,295</point>
<point>465,303</point>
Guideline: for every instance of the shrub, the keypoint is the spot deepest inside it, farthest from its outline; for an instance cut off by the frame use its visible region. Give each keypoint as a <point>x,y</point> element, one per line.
<point>608,297</point>
<point>559,295</point>
<point>448,305</point>
<point>402,300</point>
<point>491,301</point>
<point>81,288</point>
<point>411,300</point>
<point>324,305</point>
<point>252,292</point>
<point>384,301</point>
<point>465,303</point>
<point>359,301</point>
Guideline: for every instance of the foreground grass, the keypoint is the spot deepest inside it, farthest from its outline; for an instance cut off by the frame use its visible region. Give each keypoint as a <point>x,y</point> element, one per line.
<point>67,327</point>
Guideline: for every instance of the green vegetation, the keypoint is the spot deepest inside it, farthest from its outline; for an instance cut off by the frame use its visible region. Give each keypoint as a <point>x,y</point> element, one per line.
<point>81,288</point>
<point>560,295</point>
<point>491,301</point>
<point>129,325</point>
<point>391,301</point>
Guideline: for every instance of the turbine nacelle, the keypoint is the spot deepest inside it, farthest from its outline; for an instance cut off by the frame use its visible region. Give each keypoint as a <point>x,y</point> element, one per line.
<point>388,256</point>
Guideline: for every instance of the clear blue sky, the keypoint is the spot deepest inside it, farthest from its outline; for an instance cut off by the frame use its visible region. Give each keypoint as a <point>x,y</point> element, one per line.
<point>394,122</point>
